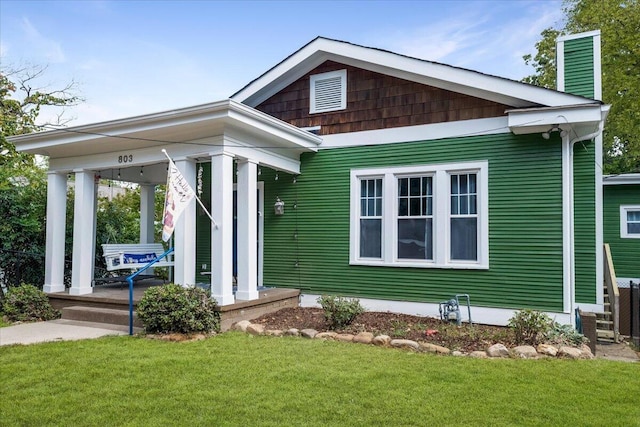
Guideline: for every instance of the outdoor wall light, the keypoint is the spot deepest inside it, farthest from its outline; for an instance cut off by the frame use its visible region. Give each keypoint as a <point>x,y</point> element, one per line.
<point>555,128</point>
<point>278,207</point>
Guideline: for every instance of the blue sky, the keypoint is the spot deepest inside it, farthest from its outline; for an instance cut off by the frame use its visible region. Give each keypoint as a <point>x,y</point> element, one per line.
<point>139,57</point>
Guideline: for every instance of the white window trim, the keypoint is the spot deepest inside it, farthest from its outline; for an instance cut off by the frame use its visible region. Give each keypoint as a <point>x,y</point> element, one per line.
<point>343,91</point>
<point>623,221</point>
<point>441,214</point>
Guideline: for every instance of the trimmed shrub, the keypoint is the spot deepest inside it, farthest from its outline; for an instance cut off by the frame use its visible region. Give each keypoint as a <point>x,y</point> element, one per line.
<point>565,334</point>
<point>175,309</point>
<point>339,311</point>
<point>530,326</point>
<point>26,303</point>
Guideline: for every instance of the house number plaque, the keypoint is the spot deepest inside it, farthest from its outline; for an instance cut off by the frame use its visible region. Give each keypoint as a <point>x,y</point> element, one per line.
<point>125,158</point>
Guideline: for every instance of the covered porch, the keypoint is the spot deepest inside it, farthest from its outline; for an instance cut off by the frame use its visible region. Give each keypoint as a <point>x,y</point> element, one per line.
<point>234,139</point>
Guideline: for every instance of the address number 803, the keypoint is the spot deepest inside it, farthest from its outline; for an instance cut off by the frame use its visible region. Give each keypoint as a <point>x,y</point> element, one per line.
<point>125,158</point>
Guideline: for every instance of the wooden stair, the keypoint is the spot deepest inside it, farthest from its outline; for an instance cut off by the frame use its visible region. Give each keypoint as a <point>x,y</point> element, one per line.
<point>604,321</point>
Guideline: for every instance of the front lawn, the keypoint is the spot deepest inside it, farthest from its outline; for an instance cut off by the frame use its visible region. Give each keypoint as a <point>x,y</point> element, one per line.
<point>237,379</point>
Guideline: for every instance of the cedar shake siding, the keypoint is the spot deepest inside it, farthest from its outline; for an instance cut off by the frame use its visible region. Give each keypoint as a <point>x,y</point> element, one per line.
<point>377,101</point>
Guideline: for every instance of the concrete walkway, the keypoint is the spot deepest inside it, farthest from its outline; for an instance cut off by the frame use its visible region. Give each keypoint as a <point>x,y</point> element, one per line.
<point>58,330</point>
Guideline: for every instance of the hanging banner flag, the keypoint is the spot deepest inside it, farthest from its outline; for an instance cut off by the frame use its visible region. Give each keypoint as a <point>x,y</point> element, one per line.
<point>178,195</point>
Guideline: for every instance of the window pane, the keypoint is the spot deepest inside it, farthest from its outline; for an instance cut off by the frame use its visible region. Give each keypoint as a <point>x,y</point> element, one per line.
<point>414,186</point>
<point>371,187</point>
<point>463,184</point>
<point>464,239</point>
<point>363,188</point>
<point>633,216</point>
<point>414,207</point>
<point>403,207</point>
<point>363,207</point>
<point>430,206</point>
<point>378,187</point>
<point>454,205</point>
<point>472,205</point>
<point>633,228</point>
<point>454,184</point>
<point>378,207</point>
<point>415,239</point>
<point>403,187</point>
<point>472,183</point>
<point>464,205</point>
<point>371,207</point>
<point>370,238</point>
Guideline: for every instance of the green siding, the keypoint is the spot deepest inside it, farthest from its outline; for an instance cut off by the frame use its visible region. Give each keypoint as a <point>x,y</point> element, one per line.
<point>525,225</point>
<point>625,252</point>
<point>584,221</point>
<point>578,72</point>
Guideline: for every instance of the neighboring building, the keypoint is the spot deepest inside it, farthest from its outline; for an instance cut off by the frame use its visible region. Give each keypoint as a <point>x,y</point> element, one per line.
<point>404,183</point>
<point>622,225</point>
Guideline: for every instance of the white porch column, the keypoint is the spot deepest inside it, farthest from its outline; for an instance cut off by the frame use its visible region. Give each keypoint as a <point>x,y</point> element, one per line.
<point>56,220</point>
<point>84,218</point>
<point>147,213</point>
<point>247,231</point>
<point>222,237</point>
<point>185,232</point>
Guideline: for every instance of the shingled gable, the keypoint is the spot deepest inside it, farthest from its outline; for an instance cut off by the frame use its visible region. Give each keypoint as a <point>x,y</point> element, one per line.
<point>500,91</point>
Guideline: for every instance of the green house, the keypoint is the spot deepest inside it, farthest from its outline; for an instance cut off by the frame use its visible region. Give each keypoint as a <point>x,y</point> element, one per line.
<point>357,171</point>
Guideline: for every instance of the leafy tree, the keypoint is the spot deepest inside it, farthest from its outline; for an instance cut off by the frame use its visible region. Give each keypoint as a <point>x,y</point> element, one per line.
<point>23,184</point>
<point>619,23</point>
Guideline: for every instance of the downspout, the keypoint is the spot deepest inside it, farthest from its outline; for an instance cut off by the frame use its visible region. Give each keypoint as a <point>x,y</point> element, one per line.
<point>572,278</point>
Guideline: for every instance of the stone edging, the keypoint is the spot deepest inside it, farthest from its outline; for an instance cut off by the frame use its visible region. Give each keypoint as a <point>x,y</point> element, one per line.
<point>494,351</point>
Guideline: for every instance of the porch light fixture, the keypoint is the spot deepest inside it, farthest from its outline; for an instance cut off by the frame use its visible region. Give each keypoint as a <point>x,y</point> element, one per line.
<point>555,128</point>
<point>278,207</point>
<point>141,170</point>
<point>276,176</point>
<point>118,173</point>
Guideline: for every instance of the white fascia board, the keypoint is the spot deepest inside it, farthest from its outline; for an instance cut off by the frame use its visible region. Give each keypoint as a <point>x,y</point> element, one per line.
<point>434,131</point>
<point>498,89</point>
<point>627,178</point>
<point>532,120</point>
<point>586,34</point>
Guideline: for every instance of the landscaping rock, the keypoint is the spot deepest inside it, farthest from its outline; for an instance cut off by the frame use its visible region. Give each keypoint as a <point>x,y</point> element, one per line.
<point>442,350</point>
<point>457,353</point>
<point>255,329</point>
<point>344,337</point>
<point>308,333</point>
<point>569,352</point>
<point>405,344</point>
<point>586,352</point>
<point>363,338</point>
<point>478,354</point>
<point>381,340</point>
<point>525,352</point>
<point>292,332</point>
<point>498,350</point>
<point>547,350</point>
<point>274,332</point>
<point>241,326</point>
<point>325,335</point>
<point>428,347</point>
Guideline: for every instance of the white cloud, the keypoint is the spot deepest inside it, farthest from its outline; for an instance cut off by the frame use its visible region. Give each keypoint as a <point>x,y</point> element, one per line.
<point>49,49</point>
<point>4,49</point>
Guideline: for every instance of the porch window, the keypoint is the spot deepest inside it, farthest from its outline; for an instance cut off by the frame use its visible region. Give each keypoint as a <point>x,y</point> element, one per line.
<point>432,216</point>
<point>630,221</point>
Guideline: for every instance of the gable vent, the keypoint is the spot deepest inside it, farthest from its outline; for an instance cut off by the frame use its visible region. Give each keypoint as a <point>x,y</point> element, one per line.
<point>328,91</point>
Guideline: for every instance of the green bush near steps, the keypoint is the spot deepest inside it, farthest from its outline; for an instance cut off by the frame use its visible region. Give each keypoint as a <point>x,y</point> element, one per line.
<point>26,303</point>
<point>175,309</point>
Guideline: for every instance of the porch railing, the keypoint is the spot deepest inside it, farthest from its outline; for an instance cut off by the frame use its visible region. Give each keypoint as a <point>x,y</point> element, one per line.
<point>611,285</point>
<point>130,281</point>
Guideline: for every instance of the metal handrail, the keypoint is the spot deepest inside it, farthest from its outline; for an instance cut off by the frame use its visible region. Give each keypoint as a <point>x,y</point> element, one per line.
<point>130,281</point>
<point>611,283</point>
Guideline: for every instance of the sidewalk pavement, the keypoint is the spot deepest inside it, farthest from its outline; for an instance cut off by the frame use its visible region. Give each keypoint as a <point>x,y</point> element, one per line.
<point>58,330</point>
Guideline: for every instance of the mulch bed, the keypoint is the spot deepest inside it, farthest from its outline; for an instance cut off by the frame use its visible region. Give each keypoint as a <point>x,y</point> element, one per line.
<point>465,338</point>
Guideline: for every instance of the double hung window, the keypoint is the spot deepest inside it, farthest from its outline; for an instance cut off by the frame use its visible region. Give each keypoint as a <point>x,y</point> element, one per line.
<point>420,216</point>
<point>630,221</point>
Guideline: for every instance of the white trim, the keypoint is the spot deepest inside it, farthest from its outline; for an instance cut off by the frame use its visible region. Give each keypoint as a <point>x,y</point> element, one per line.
<point>579,35</point>
<point>483,315</point>
<point>560,64</point>
<point>441,214</point>
<point>627,178</point>
<point>592,308</point>
<point>492,126</point>
<point>599,222</point>
<point>473,83</point>
<point>567,225</point>
<point>624,234</point>
<point>313,95</point>
<point>597,66</point>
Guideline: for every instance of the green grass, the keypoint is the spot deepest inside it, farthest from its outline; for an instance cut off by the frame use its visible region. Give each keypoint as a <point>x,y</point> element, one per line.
<point>237,379</point>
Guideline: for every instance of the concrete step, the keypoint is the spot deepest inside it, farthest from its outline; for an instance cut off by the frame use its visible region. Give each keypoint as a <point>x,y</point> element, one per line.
<point>605,335</point>
<point>99,315</point>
